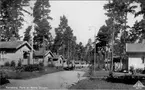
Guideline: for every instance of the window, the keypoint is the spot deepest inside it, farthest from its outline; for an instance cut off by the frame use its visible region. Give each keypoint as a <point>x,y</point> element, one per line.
<point>25,55</point>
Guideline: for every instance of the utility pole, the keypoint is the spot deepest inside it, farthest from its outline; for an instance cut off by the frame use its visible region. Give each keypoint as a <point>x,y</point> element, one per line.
<point>94,47</point>
<point>63,48</point>
<point>32,36</point>
<point>32,41</point>
<point>112,41</point>
<point>43,49</point>
<point>68,51</point>
<point>94,51</point>
<point>112,50</point>
<point>108,56</point>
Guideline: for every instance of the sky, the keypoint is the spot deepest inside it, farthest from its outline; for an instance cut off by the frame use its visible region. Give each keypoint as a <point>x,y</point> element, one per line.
<point>84,17</point>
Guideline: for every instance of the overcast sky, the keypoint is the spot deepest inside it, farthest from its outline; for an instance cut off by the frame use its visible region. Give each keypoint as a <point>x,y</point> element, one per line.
<point>81,15</point>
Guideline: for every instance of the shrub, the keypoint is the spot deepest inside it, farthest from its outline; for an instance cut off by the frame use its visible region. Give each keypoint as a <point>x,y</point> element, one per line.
<point>19,68</point>
<point>50,65</point>
<point>132,69</point>
<point>13,64</point>
<point>111,74</point>
<point>3,78</point>
<point>34,67</point>
<point>139,70</point>
<point>7,64</point>
<point>143,72</point>
<point>90,72</point>
<point>126,79</point>
<point>41,64</point>
<point>19,63</point>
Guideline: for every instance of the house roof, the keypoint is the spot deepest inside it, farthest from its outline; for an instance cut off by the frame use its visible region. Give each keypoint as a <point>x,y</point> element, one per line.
<point>136,47</point>
<point>57,56</point>
<point>42,52</point>
<point>13,44</point>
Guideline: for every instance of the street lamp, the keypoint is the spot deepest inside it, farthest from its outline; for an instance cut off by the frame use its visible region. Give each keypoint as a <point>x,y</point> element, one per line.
<point>94,45</point>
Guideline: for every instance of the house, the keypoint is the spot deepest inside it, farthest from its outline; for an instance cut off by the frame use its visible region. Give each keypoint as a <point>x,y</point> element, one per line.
<point>41,55</point>
<point>58,60</point>
<point>15,51</point>
<point>118,63</point>
<point>136,55</point>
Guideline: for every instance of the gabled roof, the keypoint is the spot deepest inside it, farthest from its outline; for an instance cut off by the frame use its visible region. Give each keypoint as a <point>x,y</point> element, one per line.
<point>136,47</point>
<point>13,44</point>
<point>57,56</point>
<point>42,53</point>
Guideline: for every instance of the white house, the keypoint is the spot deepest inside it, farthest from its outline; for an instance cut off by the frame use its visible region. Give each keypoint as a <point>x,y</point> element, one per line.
<point>136,55</point>
<point>15,51</point>
<point>58,60</point>
<point>41,55</point>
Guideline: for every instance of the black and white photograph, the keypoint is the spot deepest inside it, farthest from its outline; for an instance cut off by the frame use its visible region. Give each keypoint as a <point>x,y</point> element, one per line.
<point>72,44</point>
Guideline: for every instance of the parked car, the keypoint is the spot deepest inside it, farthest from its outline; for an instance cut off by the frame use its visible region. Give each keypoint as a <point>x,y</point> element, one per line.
<point>69,66</point>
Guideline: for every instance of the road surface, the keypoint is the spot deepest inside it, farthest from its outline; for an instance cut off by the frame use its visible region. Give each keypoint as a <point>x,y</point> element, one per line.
<point>58,80</point>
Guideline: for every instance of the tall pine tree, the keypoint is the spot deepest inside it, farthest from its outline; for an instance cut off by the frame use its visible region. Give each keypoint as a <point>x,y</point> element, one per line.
<point>27,35</point>
<point>11,17</point>
<point>41,19</point>
<point>65,41</point>
<point>117,11</point>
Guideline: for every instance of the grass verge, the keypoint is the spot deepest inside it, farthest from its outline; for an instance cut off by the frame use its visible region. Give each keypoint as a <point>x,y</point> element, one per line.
<point>101,84</point>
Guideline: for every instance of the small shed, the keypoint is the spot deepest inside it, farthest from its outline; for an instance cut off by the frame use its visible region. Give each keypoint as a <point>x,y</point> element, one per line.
<point>58,60</point>
<point>43,56</point>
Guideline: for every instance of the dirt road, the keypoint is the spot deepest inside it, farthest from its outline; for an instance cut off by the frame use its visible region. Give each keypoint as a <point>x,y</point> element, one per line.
<point>58,80</point>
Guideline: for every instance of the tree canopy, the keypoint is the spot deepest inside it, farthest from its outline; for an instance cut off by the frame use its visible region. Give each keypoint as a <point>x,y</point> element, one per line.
<point>65,41</point>
<point>11,17</point>
<point>41,19</point>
